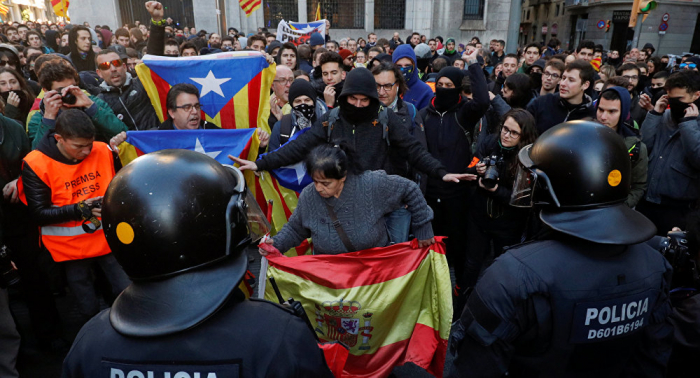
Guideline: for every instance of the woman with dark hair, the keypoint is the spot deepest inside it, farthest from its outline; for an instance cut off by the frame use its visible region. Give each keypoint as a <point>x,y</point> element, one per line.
<point>357,202</point>
<point>287,55</point>
<point>654,65</point>
<point>517,90</point>
<point>16,93</point>
<point>490,218</point>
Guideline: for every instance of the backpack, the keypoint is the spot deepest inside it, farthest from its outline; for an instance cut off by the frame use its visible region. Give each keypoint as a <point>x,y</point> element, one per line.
<point>383,118</point>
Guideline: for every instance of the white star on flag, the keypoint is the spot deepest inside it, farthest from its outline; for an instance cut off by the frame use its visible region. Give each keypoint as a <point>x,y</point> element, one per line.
<point>199,148</point>
<point>299,169</point>
<point>210,84</point>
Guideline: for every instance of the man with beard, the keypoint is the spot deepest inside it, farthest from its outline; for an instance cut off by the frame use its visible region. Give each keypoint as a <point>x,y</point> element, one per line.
<point>124,93</point>
<point>214,41</point>
<point>184,109</point>
<point>673,138</point>
<point>333,76</point>
<point>12,35</point>
<point>631,72</point>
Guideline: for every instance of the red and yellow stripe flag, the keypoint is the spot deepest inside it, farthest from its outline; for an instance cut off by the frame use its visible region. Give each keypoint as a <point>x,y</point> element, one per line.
<point>4,9</point>
<point>389,305</point>
<point>318,12</point>
<point>60,7</point>
<point>249,6</point>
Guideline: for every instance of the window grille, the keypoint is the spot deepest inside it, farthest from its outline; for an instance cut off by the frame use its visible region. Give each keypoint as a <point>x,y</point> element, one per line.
<point>390,14</point>
<point>278,10</point>
<point>343,14</point>
<point>473,10</point>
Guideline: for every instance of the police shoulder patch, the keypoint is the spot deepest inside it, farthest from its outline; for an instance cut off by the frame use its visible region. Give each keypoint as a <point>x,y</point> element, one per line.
<point>613,318</point>
<point>217,369</point>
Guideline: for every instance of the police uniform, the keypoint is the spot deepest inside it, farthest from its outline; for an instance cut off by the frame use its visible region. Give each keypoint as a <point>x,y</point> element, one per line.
<point>246,338</point>
<point>589,300</point>
<point>179,223</point>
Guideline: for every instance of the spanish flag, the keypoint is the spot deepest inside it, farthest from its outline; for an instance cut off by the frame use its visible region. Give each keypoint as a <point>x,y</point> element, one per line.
<point>389,305</point>
<point>60,7</point>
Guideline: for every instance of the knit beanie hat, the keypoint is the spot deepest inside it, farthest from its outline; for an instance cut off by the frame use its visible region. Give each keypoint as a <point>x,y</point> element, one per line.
<point>301,87</point>
<point>316,39</point>
<point>344,53</point>
<point>422,51</point>
<point>453,73</point>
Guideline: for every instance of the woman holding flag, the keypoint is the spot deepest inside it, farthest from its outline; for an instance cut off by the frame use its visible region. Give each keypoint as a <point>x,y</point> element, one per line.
<point>344,210</point>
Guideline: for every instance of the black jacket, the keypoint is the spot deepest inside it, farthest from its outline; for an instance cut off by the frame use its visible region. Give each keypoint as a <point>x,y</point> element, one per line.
<point>168,125</point>
<point>14,146</point>
<point>131,104</point>
<point>450,134</point>
<point>39,194</point>
<point>372,150</point>
<point>414,124</point>
<point>551,110</point>
<point>245,338</point>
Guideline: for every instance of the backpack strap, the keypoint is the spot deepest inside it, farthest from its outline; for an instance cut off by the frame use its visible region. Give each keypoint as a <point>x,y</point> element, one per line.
<point>332,119</point>
<point>384,120</point>
<point>286,128</point>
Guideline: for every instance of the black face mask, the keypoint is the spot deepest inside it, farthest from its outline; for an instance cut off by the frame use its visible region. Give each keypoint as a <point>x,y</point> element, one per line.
<point>445,98</point>
<point>536,79</point>
<point>655,91</point>
<point>357,115</point>
<point>306,110</point>
<point>677,108</point>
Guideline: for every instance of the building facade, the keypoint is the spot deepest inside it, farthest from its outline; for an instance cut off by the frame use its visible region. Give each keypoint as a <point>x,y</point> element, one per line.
<point>461,19</point>
<point>672,28</point>
<point>29,10</point>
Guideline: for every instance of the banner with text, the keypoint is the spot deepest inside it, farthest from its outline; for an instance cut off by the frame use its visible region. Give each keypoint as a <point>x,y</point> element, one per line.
<point>299,32</point>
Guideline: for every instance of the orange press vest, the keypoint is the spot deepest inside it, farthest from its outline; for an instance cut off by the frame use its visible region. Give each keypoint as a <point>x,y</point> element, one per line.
<point>71,184</point>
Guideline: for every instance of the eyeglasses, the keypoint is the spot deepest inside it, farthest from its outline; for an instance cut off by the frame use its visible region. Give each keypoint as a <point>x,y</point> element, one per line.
<point>188,107</point>
<point>506,131</point>
<point>553,76</point>
<point>631,77</point>
<point>689,65</point>
<point>285,81</point>
<point>386,87</point>
<point>105,65</point>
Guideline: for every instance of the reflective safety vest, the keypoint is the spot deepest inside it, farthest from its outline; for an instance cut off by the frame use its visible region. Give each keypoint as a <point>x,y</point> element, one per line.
<point>70,184</point>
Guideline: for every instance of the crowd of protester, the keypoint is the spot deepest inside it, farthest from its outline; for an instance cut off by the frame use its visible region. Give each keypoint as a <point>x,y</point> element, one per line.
<point>453,114</point>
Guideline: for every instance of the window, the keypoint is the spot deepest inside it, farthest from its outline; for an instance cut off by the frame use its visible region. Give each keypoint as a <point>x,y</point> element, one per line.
<point>343,14</point>
<point>390,14</point>
<point>528,14</point>
<point>473,10</point>
<point>278,10</point>
<point>556,12</point>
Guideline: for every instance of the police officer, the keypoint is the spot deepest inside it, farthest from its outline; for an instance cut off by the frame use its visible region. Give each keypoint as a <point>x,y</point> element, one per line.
<point>587,300</point>
<point>179,223</point>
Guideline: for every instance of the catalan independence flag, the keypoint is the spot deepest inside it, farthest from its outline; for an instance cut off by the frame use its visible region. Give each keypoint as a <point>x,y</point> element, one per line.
<point>249,6</point>
<point>60,8</point>
<point>234,87</point>
<point>4,9</point>
<point>389,305</point>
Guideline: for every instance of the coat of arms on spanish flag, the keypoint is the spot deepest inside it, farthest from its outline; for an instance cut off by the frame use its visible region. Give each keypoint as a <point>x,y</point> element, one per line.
<point>389,305</point>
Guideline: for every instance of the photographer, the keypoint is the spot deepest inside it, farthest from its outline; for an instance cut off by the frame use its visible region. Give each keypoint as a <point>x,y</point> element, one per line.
<point>60,82</point>
<point>491,219</point>
<point>682,249</point>
<point>62,183</point>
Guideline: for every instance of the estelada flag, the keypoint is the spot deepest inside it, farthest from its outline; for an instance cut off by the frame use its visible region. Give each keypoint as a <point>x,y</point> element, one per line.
<point>234,87</point>
<point>389,305</point>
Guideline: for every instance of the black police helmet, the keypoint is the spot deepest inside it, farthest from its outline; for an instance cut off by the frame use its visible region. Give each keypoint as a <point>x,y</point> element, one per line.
<point>177,222</point>
<point>581,173</point>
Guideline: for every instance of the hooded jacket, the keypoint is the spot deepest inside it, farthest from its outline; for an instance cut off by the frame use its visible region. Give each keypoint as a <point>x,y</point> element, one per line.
<point>51,40</point>
<point>131,104</point>
<point>366,138</point>
<point>635,147</point>
<point>551,110</point>
<point>419,93</point>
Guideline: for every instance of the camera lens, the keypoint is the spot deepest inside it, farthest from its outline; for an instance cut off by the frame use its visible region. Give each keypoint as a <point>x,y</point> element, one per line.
<point>69,99</point>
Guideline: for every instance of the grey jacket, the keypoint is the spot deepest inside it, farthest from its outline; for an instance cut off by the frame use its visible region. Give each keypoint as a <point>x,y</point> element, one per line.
<point>674,158</point>
<point>361,207</point>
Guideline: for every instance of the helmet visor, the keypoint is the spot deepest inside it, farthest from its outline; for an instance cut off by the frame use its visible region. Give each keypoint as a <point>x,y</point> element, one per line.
<point>258,226</point>
<point>523,187</point>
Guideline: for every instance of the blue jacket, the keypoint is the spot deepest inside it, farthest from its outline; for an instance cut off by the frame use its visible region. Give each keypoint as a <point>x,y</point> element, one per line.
<point>419,93</point>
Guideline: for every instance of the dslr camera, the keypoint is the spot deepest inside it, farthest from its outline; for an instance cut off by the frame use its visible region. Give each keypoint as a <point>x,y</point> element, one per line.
<point>675,248</point>
<point>493,164</point>
<point>8,274</point>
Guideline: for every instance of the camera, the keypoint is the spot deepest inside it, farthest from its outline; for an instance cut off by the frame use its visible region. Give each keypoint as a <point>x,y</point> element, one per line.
<point>493,164</point>
<point>69,99</point>
<point>675,248</point>
<point>96,204</point>
<point>8,274</point>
